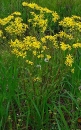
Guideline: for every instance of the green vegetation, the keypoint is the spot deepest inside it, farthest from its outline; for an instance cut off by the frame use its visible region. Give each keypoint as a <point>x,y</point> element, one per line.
<point>40,65</point>
<point>62,7</point>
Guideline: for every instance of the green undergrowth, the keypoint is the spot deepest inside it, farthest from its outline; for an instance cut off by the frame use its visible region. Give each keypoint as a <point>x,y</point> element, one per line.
<point>63,7</point>
<point>25,105</point>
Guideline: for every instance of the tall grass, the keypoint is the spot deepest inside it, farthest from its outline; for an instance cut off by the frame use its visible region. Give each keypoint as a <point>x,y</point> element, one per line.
<point>27,106</point>
<point>63,7</point>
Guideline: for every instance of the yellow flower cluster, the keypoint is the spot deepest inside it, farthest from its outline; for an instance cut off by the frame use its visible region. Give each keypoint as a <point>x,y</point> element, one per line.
<point>18,53</point>
<point>69,60</point>
<point>29,46</point>
<point>29,62</point>
<point>39,21</point>
<point>1,33</point>
<point>77,45</point>
<point>16,13</point>
<point>64,46</point>
<point>72,23</point>
<point>48,57</point>
<point>6,20</point>
<point>43,46</point>
<point>78,26</point>
<point>20,47</point>
<point>31,43</point>
<point>52,39</point>
<point>55,16</point>
<point>16,27</point>
<point>76,17</point>
<point>31,5</point>
<point>42,10</point>
<point>37,79</point>
<point>63,34</point>
<point>40,56</point>
<point>67,22</point>
<point>72,70</point>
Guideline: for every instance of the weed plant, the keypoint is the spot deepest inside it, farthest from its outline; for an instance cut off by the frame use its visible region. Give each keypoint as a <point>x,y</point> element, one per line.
<point>40,76</point>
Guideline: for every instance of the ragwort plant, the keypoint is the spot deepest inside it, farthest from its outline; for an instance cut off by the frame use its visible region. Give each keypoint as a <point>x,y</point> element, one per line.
<point>44,62</point>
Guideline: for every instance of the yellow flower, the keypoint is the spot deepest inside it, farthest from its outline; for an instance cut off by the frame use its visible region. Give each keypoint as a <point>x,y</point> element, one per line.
<point>44,47</point>
<point>37,79</point>
<point>36,44</point>
<point>43,39</point>
<point>16,13</point>
<point>29,62</point>
<point>40,56</point>
<point>48,57</point>
<point>63,34</point>
<point>69,60</point>
<point>25,4</point>
<point>16,27</point>
<point>34,53</point>
<point>6,20</point>
<point>72,70</point>
<point>1,33</point>
<point>77,45</point>
<point>76,17</point>
<point>55,16</point>
<point>65,46</point>
<point>67,22</point>
<point>38,20</point>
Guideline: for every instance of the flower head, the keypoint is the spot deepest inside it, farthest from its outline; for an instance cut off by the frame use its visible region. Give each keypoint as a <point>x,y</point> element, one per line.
<point>69,60</point>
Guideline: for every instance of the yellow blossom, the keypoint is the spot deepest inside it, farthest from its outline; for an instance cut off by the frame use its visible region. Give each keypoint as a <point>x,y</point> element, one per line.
<point>48,57</point>
<point>37,79</point>
<point>55,16</point>
<point>67,22</point>
<point>69,60</point>
<point>44,47</point>
<point>38,20</point>
<point>25,4</point>
<point>43,39</point>
<point>16,13</point>
<point>1,33</point>
<point>29,62</point>
<point>16,27</point>
<point>77,45</point>
<point>6,20</point>
<point>63,34</point>
<point>72,70</point>
<point>34,53</point>
<point>40,56</point>
<point>64,46</point>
